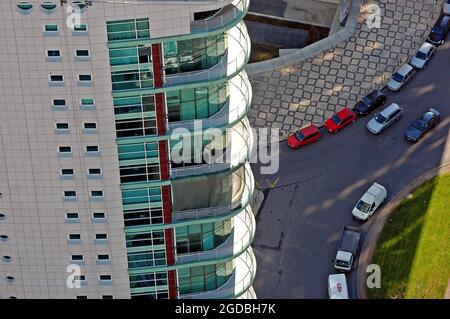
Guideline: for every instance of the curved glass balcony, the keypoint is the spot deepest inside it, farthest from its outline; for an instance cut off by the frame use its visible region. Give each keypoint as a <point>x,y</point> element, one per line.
<point>240,199</point>
<point>237,106</point>
<point>239,149</point>
<point>237,285</point>
<point>233,61</point>
<point>241,238</point>
<point>230,13</point>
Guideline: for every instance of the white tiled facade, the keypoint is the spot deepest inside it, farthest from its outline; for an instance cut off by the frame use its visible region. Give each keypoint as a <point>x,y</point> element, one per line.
<point>31,185</point>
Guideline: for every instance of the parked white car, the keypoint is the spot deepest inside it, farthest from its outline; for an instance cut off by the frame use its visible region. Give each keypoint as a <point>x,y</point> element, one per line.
<point>385,118</point>
<point>369,202</point>
<point>446,8</point>
<point>423,56</point>
<point>337,287</point>
<point>401,77</point>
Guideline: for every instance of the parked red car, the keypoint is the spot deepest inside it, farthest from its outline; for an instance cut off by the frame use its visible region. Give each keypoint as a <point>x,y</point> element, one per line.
<point>304,136</point>
<point>340,120</point>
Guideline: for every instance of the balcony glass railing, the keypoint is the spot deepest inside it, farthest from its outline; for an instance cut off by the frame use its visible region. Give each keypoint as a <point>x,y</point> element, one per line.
<point>237,106</point>
<point>230,13</point>
<point>242,237</point>
<point>235,58</point>
<point>238,284</point>
<point>239,200</point>
<point>237,152</point>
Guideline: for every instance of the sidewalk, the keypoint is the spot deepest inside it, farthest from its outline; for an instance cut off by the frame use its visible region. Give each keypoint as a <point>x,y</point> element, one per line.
<point>312,91</point>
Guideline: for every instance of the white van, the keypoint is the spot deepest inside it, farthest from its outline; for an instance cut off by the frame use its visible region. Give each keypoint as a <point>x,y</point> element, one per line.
<point>337,287</point>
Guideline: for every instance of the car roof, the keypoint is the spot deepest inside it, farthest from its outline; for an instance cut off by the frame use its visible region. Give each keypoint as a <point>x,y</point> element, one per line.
<point>390,109</point>
<point>344,112</point>
<point>404,69</point>
<point>308,130</point>
<point>443,21</point>
<point>426,47</point>
<point>374,94</point>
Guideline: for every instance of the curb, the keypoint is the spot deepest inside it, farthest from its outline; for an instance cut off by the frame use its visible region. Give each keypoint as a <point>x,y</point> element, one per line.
<point>313,49</point>
<point>378,224</point>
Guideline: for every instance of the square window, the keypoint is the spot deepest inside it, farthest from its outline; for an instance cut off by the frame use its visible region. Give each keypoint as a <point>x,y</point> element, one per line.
<point>94,171</point>
<point>74,236</point>
<point>57,78</point>
<point>103,257</point>
<point>98,215</point>
<point>70,194</point>
<point>97,193</point>
<point>101,236</point>
<point>105,277</point>
<point>67,171</point>
<point>90,126</point>
<point>82,53</point>
<point>72,215</point>
<point>53,53</point>
<point>92,148</point>
<point>65,149</point>
<point>80,28</point>
<point>62,126</point>
<point>85,77</point>
<point>51,28</point>
<point>76,258</point>
<point>59,103</point>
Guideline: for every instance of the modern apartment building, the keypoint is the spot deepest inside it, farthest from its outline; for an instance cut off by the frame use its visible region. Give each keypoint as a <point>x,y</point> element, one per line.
<point>91,117</point>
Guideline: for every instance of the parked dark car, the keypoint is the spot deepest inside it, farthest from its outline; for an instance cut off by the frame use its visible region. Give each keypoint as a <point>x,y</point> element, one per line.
<point>440,30</point>
<point>370,102</point>
<point>429,120</point>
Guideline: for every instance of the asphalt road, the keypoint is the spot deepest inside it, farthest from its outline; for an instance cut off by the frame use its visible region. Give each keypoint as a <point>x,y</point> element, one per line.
<point>300,222</point>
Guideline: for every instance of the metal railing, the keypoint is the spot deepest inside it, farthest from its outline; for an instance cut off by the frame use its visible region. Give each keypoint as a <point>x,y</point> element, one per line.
<point>241,200</point>
<point>233,246</point>
<point>239,134</point>
<point>231,12</point>
<point>237,106</point>
<point>236,285</point>
<point>232,62</point>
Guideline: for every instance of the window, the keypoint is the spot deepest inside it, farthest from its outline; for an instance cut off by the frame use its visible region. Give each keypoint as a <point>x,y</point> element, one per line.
<point>80,278</point>
<point>76,258</point>
<point>90,126</point>
<point>2,216</point>
<point>101,236</point>
<point>128,29</point>
<point>92,149</point>
<point>107,297</point>
<point>65,149</point>
<point>7,258</point>
<point>85,78</point>
<point>105,277</point>
<point>97,215</point>
<point>67,171</point>
<point>96,193</point>
<point>80,28</point>
<point>24,6</point>
<point>87,103</point>
<point>94,171</point>
<point>70,194</point>
<point>81,296</point>
<point>62,126</point>
<point>59,103</point>
<point>4,237</point>
<point>53,53</point>
<point>103,257</point>
<point>48,5</point>
<point>82,53</point>
<point>72,215</point>
<point>51,28</point>
<point>74,236</point>
<point>56,78</point>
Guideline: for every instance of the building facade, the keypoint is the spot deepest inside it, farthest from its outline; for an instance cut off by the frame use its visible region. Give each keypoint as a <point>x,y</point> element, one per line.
<point>124,149</point>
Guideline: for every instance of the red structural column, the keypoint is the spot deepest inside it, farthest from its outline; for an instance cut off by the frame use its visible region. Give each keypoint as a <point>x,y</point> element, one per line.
<point>160,107</point>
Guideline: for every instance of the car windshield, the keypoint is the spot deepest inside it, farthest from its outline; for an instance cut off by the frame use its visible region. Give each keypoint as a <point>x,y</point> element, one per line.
<point>341,263</point>
<point>336,119</point>
<point>420,55</point>
<point>299,136</point>
<point>380,118</point>
<point>397,77</point>
<point>418,124</point>
<point>437,30</point>
<point>363,206</point>
<point>366,100</point>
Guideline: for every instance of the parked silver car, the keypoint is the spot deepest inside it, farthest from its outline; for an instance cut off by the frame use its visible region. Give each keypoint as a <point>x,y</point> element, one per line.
<point>446,8</point>
<point>423,56</point>
<point>385,118</point>
<point>401,77</point>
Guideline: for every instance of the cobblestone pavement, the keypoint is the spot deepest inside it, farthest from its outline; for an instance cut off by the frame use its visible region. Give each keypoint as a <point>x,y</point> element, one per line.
<point>312,91</point>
